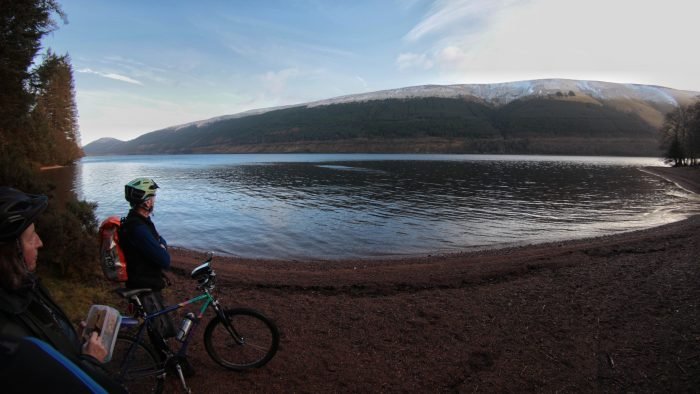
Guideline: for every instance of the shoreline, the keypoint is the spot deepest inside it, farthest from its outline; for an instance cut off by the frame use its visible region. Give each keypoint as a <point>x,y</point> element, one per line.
<point>687,178</point>
<point>613,313</point>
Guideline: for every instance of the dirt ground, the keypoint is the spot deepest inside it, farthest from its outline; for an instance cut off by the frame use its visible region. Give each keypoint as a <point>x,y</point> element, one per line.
<point>610,314</point>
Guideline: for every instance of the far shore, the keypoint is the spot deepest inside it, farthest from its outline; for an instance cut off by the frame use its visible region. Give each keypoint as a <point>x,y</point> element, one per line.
<point>614,313</point>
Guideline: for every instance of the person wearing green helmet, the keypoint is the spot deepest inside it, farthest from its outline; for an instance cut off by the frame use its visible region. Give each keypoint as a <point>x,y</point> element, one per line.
<point>145,250</point>
<point>146,253</point>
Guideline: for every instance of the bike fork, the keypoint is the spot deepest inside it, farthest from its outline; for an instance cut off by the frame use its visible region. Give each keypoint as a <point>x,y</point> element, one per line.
<point>182,379</point>
<point>229,326</point>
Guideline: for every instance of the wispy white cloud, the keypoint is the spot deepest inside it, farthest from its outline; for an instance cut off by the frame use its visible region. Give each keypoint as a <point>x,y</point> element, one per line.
<point>295,85</point>
<point>452,30</point>
<point>464,14</point>
<point>240,47</point>
<point>413,60</point>
<point>275,82</point>
<point>407,4</point>
<point>123,60</point>
<point>173,67</point>
<point>253,24</point>
<point>282,51</point>
<point>114,76</point>
<point>269,42</point>
<point>135,67</point>
<point>325,50</point>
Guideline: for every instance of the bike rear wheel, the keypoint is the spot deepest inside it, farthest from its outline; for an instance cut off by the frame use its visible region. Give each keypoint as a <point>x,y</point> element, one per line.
<point>245,339</point>
<point>138,373</point>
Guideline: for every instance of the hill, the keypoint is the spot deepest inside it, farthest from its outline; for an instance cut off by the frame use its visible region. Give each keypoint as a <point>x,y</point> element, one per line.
<point>104,146</point>
<point>529,117</point>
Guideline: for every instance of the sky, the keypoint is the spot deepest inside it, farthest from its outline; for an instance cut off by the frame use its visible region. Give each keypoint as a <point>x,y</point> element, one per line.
<point>140,66</point>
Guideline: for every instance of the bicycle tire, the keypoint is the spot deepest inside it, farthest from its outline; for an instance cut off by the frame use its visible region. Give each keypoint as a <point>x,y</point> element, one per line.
<point>260,339</point>
<point>141,374</point>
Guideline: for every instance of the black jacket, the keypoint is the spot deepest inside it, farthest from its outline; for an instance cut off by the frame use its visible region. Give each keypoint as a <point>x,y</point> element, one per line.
<point>145,252</point>
<point>31,312</point>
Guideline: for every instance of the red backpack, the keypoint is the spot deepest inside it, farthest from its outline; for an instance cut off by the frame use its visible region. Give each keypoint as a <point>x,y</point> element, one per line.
<point>111,255</point>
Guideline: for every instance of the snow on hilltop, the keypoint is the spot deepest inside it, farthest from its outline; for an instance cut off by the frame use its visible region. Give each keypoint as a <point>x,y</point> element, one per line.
<point>496,94</point>
<point>503,93</point>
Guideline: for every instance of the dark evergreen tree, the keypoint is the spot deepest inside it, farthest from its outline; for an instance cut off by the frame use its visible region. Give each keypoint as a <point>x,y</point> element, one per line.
<point>55,116</point>
<point>22,25</point>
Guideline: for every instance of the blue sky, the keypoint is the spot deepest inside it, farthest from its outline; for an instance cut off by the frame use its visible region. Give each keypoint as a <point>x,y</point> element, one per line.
<point>146,65</point>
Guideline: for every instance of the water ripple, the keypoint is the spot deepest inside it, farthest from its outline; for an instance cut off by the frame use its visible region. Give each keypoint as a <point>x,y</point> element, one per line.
<point>341,206</point>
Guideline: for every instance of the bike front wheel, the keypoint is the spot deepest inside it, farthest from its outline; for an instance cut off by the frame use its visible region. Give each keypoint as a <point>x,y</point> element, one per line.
<point>136,366</point>
<point>243,340</point>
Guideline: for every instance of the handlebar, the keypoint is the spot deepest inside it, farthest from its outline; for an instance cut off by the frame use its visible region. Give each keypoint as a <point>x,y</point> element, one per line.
<point>204,274</point>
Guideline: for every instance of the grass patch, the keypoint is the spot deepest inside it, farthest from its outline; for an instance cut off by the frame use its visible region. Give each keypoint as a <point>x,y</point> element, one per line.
<point>76,297</point>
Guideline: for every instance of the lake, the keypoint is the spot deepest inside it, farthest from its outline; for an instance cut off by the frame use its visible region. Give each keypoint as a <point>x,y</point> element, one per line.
<point>337,206</point>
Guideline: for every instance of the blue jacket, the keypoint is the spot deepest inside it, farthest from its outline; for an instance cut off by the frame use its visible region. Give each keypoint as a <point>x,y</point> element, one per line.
<point>145,251</point>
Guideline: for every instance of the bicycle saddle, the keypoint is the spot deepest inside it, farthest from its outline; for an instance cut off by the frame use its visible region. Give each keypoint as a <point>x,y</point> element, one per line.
<point>128,293</point>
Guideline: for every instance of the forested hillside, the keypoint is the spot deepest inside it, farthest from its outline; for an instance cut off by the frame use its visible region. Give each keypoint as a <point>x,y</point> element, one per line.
<point>539,125</point>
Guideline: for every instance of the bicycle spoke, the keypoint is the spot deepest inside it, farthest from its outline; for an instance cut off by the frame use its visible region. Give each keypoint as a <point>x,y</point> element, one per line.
<point>257,342</point>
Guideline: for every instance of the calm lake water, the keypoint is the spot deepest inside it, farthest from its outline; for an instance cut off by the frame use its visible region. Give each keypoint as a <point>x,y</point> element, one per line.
<point>337,206</point>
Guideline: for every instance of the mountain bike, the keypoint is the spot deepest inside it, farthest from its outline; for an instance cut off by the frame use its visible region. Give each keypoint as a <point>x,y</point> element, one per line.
<point>237,339</point>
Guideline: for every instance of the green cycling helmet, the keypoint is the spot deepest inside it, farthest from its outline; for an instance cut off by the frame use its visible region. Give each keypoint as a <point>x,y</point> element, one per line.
<point>140,190</point>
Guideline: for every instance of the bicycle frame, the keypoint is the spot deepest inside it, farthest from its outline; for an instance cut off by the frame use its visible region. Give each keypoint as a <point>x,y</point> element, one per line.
<point>207,300</point>
<point>127,322</point>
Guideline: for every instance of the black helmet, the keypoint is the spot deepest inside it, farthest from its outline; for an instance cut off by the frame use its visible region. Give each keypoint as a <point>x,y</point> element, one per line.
<point>17,211</point>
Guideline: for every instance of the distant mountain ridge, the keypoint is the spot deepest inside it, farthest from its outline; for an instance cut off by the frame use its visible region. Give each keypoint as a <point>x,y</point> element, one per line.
<point>551,116</point>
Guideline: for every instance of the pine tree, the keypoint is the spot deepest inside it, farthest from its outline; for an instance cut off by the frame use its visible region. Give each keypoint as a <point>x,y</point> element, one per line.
<point>22,25</point>
<point>55,113</point>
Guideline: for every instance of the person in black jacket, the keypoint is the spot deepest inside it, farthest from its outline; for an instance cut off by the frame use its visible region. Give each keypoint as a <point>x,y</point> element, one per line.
<point>147,258</point>
<point>26,308</point>
<point>146,252</point>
